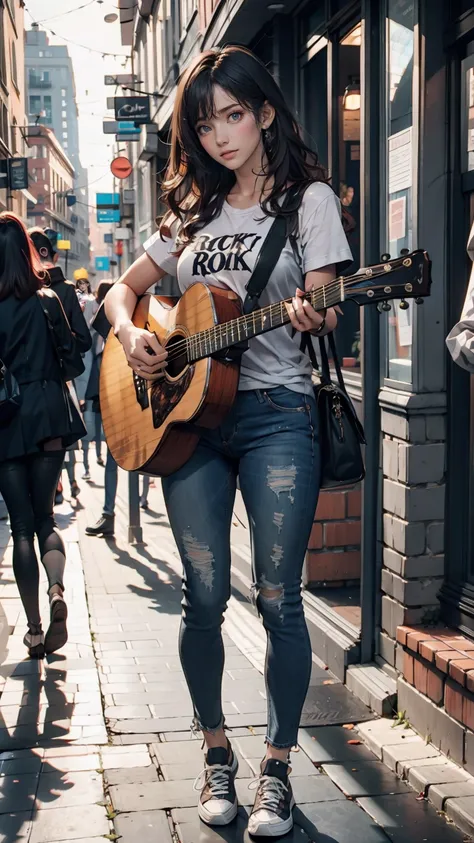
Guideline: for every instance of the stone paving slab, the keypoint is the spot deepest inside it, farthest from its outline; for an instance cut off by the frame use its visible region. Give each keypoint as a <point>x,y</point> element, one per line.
<point>15,827</point>
<point>341,822</point>
<point>366,778</point>
<point>146,826</point>
<point>416,749</point>
<point>191,830</point>
<point>422,778</point>
<point>405,820</point>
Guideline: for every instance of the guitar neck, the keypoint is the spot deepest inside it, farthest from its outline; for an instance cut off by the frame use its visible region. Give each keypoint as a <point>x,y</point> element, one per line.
<point>260,321</point>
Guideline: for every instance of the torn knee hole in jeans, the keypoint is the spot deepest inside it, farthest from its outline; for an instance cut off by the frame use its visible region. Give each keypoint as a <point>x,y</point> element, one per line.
<point>271,594</point>
<point>200,558</point>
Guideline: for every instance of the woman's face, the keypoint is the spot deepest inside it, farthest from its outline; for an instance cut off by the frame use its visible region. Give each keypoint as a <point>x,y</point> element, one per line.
<point>231,137</point>
<point>82,286</point>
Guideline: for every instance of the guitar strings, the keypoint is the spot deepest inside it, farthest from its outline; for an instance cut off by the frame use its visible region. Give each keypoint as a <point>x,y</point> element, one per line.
<point>195,342</point>
<point>321,297</point>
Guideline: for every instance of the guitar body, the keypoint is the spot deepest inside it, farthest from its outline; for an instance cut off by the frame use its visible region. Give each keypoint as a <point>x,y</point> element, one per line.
<point>155,427</point>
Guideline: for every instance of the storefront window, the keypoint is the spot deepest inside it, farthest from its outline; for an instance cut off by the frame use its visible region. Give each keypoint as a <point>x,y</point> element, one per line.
<point>399,207</point>
<point>348,169</point>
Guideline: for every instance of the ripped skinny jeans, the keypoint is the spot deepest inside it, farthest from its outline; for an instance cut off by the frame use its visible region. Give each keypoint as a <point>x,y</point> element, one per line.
<point>269,440</point>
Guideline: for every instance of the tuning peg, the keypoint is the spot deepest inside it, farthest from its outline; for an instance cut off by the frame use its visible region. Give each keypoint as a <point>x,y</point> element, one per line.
<point>386,306</point>
<point>385,257</point>
<point>404,251</point>
<point>418,300</point>
<point>404,305</point>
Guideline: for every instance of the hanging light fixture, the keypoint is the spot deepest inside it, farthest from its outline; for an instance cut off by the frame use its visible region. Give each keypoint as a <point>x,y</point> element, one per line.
<point>351,100</point>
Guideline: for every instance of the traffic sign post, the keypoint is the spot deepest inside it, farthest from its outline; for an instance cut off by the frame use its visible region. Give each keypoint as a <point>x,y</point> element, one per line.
<point>64,246</point>
<point>121,167</point>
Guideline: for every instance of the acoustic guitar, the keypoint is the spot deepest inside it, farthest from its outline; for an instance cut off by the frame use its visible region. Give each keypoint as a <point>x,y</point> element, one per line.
<point>154,427</point>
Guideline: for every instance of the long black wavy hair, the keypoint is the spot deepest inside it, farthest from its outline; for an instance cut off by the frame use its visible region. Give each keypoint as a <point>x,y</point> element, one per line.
<point>196,185</point>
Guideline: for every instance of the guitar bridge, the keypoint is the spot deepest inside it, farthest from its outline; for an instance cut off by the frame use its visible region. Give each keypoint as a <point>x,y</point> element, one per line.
<point>141,391</point>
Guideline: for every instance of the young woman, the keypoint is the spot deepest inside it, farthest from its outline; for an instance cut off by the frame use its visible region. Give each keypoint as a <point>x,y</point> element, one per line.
<point>235,151</point>
<point>32,443</point>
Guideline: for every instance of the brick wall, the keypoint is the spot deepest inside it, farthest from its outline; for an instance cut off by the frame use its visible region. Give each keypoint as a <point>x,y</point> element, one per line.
<point>413,522</point>
<point>334,547</point>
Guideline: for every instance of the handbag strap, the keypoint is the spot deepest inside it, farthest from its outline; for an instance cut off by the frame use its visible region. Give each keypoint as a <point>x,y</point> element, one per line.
<point>271,250</point>
<point>324,370</point>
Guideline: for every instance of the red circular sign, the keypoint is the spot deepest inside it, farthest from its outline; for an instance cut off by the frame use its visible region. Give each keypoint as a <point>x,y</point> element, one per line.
<point>121,167</point>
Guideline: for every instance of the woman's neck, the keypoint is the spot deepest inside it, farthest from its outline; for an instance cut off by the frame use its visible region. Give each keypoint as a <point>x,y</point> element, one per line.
<point>249,187</point>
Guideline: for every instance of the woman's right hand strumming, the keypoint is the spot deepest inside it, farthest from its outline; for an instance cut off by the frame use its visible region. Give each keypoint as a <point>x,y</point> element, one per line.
<point>144,353</point>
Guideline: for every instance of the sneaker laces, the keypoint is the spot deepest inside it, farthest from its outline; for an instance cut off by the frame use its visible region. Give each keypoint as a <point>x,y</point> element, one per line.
<point>271,792</point>
<point>216,778</point>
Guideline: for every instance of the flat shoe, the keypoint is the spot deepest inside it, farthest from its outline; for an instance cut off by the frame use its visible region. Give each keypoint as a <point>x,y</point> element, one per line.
<point>34,642</point>
<point>56,635</point>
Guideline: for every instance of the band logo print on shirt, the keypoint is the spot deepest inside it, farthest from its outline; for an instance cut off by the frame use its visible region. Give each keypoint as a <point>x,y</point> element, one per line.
<point>226,252</point>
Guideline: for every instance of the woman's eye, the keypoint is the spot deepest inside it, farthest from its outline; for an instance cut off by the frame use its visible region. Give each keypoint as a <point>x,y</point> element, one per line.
<point>202,130</point>
<point>235,116</point>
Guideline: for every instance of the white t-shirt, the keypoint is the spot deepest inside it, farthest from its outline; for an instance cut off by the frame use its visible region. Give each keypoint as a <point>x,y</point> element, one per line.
<point>224,254</point>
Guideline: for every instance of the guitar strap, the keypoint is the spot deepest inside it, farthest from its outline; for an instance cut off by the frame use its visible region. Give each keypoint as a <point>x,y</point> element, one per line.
<point>271,250</point>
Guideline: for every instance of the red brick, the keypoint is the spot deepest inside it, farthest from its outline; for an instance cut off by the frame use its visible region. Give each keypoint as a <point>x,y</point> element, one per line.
<point>470,680</point>
<point>428,649</point>
<point>316,538</point>
<point>342,533</point>
<point>414,638</point>
<point>331,506</point>
<point>468,646</point>
<point>354,503</point>
<point>402,632</point>
<point>327,567</point>
<point>435,687</point>
<point>468,712</point>
<point>453,701</point>
<point>408,667</point>
<point>420,676</point>
<point>456,643</point>
<point>458,668</point>
<point>443,657</point>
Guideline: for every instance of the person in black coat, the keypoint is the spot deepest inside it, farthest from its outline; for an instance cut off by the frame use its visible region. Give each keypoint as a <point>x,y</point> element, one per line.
<point>33,441</point>
<point>66,291</point>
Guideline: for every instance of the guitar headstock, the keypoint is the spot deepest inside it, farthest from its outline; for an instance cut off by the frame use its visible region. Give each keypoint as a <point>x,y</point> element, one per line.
<point>406,277</point>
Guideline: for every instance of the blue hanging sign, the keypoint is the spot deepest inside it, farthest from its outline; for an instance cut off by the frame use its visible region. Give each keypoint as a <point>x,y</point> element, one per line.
<point>108,215</point>
<point>107,200</point>
<point>102,264</point>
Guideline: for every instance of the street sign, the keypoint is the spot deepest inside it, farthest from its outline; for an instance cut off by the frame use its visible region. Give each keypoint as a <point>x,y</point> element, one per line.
<point>63,245</point>
<point>102,264</point>
<point>108,215</point>
<point>135,109</point>
<point>122,234</point>
<point>120,79</point>
<point>128,137</point>
<point>18,173</point>
<point>108,238</point>
<point>120,127</point>
<point>107,200</point>
<point>121,167</point>
<point>129,196</point>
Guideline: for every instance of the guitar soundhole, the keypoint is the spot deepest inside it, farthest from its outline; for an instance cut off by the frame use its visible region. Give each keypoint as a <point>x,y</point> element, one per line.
<point>177,357</point>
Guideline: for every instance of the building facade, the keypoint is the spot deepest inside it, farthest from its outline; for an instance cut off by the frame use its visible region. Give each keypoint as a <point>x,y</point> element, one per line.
<point>51,102</point>
<point>12,96</point>
<point>384,92</point>
<point>52,177</point>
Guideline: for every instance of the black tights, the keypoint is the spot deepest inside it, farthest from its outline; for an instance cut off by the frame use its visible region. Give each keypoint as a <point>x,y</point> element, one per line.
<point>28,485</point>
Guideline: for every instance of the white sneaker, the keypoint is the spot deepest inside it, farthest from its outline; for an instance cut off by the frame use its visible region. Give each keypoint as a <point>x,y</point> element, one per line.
<point>272,813</point>
<point>218,799</point>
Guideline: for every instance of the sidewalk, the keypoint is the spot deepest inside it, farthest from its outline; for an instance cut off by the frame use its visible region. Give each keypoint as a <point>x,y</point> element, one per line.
<point>61,761</point>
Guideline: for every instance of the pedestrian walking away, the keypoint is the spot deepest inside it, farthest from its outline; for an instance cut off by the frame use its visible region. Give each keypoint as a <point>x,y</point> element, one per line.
<point>37,348</point>
<point>66,292</point>
<point>235,153</point>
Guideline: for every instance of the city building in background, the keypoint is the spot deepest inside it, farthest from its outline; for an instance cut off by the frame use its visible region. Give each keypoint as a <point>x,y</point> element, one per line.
<point>12,97</point>
<point>51,180</point>
<point>51,102</point>
<point>373,84</point>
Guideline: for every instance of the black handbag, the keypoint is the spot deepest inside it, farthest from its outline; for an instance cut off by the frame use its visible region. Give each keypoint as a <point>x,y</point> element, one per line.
<point>341,434</point>
<point>10,397</point>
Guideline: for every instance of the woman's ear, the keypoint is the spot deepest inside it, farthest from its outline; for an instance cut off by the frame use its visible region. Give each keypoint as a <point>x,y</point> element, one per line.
<point>267,115</point>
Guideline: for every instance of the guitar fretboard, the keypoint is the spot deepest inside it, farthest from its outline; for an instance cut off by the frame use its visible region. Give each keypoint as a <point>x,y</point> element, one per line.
<point>221,336</point>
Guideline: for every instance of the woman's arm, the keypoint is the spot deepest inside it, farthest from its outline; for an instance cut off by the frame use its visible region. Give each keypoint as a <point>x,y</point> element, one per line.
<point>303,317</point>
<point>143,351</point>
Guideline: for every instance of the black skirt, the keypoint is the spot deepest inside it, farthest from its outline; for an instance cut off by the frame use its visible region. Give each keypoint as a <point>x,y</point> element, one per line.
<point>47,412</point>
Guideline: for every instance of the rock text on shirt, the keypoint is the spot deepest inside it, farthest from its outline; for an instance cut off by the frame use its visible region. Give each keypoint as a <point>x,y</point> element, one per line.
<point>225,252</point>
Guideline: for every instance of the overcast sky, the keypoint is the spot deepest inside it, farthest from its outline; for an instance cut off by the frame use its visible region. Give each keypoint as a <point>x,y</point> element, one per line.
<point>87,27</point>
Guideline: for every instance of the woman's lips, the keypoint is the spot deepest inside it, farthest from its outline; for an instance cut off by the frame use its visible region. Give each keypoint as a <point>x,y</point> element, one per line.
<point>229,153</point>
